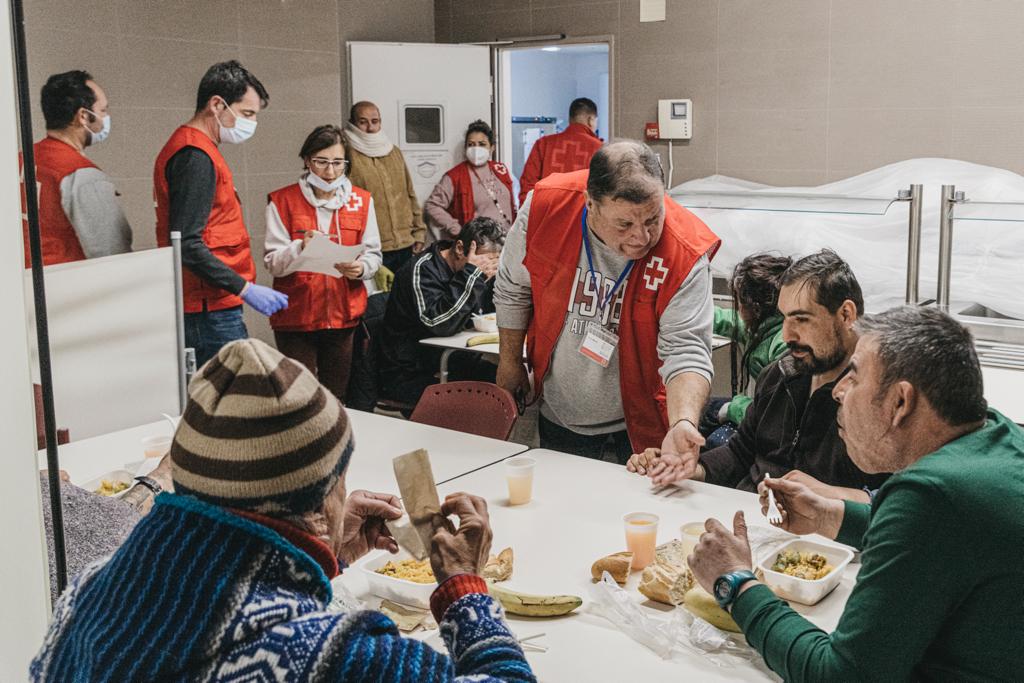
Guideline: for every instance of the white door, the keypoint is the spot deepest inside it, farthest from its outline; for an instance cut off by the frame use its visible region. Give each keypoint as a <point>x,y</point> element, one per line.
<point>427,94</point>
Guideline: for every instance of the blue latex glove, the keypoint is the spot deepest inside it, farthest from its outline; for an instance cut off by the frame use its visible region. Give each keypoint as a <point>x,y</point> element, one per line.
<point>264,299</point>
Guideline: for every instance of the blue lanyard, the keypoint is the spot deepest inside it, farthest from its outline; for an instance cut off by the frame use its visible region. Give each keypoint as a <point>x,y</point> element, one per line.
<point>590,264</point>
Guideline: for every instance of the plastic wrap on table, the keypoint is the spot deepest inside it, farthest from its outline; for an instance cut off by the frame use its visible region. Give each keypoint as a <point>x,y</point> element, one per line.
<point>681,635</point>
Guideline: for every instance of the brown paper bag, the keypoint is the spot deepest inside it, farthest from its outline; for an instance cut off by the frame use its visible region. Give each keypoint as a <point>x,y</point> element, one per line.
<point>419,498</point>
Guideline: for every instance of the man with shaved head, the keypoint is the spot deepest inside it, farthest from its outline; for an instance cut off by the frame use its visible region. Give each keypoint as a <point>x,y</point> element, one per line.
<point>377,165</point>
<point>610,282</point>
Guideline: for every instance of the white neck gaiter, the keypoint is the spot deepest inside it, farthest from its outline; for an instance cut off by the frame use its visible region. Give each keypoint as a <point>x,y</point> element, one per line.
<point>371,144</point>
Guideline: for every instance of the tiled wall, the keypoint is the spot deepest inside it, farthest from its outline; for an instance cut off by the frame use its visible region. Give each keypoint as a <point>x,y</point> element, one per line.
<point>149,56</point>
<point>795,92</point>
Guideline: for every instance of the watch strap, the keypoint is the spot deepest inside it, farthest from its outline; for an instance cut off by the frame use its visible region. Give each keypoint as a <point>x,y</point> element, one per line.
<point>150,484</point>
<point>735,581</point>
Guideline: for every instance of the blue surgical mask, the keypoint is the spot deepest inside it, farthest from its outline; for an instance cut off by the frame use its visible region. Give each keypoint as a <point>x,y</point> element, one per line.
<point>242,130</point>
<point>103,133</point>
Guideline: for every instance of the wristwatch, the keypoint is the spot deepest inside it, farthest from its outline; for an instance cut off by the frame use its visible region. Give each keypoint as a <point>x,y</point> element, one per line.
<point>150,484</point>
<point>727,586</point>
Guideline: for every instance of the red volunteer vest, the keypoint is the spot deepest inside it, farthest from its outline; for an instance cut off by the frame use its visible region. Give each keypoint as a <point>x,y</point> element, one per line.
<point>55,160</point>
<point>225,232</point>
<point>316,301</point>
<point>462,207</point>
<point>570,150</point>
<point>553,243</point>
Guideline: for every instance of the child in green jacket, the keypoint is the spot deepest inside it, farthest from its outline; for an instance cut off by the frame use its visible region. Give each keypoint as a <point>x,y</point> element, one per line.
<point>753,323</point>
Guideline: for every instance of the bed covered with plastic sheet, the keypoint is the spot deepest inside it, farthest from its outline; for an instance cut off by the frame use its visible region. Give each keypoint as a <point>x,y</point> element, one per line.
<point>988,256</point>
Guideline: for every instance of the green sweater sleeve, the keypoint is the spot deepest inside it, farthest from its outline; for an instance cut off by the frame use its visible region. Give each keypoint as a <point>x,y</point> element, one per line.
<point>738,408</point>
<point>856,518</point>
<point>907,585</point>
<point>726,321</point>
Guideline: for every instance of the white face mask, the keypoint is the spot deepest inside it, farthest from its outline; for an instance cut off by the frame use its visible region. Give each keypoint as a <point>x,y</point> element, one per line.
<point>325,185</point>
<point>103,133</point>
<point>477,156</point>
<point>242,130</point>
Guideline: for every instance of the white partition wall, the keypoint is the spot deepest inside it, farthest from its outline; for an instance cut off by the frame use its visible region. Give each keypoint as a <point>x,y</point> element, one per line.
<point>113,341</point>
<point>24,583</point>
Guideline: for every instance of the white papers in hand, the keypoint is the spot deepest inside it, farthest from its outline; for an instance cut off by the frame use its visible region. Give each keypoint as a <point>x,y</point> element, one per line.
<point>321,254</point>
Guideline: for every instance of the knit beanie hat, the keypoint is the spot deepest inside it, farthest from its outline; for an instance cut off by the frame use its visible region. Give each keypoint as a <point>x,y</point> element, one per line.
<point>259,433</point>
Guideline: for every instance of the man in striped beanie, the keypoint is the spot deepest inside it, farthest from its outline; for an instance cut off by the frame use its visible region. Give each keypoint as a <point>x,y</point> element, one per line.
<point>229,577</point>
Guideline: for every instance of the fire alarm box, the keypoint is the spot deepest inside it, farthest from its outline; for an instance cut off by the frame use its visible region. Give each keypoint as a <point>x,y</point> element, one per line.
<point>675,119</point>
<point>651,131</point>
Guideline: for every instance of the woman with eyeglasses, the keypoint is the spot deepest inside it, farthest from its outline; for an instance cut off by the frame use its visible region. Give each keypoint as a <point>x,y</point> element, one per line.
<point>323,311</point>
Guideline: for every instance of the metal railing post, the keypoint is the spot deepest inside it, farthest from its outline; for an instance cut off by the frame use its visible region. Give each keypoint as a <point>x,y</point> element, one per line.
<point>913,243</point>
<point>945,246</point>
<point>179,321</point>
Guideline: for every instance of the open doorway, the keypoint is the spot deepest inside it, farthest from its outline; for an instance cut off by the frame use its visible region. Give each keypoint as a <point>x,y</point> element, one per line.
<point>536,86</point>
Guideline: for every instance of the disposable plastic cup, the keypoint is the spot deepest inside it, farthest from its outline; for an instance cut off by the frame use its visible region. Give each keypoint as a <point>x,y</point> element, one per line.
<point>641,537</point>
<point>519,475</point>
<point>156,446</point>
<point>689,534</point>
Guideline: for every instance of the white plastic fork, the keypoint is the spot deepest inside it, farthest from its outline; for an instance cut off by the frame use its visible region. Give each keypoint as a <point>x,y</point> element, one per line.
<point>773,515</point>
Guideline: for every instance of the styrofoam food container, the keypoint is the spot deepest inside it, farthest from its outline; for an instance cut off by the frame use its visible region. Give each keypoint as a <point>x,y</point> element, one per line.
<point>487,323</point>
<point>801,590</point>
<point>397,590</point>
<point>114,475</point>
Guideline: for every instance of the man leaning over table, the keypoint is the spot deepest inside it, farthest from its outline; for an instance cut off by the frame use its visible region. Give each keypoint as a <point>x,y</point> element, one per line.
<point>939,593</point>
<point>631,360</point>
<point>229,577</point>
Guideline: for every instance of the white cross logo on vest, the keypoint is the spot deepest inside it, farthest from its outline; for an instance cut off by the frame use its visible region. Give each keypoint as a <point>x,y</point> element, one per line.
<point>355,202</point>
<point>654,278</point>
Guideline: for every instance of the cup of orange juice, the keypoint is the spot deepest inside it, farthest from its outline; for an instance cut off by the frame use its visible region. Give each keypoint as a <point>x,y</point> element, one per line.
<point>641,537</point>
<point>156,446</point>
<point>689,534</point>
<point>519,475</point>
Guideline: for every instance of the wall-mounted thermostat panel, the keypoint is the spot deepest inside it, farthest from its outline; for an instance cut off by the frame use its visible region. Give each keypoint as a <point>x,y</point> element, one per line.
<point>675,119</point>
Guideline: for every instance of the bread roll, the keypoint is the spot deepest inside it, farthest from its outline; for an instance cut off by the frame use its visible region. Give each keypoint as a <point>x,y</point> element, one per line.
<point>617,565</point>
<point>671,553</point>
<point>665,583</point>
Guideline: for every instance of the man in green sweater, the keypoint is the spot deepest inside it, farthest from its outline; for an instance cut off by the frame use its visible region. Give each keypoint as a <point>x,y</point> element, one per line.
<point>940,592</point>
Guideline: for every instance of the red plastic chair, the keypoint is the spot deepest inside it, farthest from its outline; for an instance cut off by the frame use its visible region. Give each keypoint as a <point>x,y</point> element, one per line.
<point>479,408</point>
<point>63,436</point>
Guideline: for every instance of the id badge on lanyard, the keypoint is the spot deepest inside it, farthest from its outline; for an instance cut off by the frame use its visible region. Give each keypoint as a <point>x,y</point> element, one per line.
<point>598,343</point>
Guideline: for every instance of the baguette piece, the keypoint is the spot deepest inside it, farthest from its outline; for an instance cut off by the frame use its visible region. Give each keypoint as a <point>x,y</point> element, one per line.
<point>665,583</point>
<point>617,565</point>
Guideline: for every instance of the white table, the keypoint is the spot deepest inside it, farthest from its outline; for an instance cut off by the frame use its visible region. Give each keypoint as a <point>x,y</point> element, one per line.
<point>380,438</point>
<point>1003,391</point>
<point>377,440</point>
<point>457,342</point>
<point>575,517</point>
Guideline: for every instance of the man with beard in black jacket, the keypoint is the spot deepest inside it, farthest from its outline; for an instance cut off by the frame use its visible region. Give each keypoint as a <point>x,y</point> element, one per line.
<point>790,429</point>
<point>434,295</point>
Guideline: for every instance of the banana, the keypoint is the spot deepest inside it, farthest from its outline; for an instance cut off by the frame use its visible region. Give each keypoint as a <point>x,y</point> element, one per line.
<point>703,605</point>
<point>482,339</point>
<point>534,605</point>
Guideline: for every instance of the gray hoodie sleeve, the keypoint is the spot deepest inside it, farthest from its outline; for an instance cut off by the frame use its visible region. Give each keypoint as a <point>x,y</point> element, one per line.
<point>513,300</point>
<point>684,334</point>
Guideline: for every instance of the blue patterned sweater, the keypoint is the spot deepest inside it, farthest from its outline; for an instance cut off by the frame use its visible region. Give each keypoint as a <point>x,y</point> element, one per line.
<point>199,594</point>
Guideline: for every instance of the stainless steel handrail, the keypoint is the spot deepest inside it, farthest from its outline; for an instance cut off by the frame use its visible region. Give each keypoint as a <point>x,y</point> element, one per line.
<point>914,196</point>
